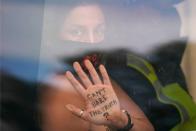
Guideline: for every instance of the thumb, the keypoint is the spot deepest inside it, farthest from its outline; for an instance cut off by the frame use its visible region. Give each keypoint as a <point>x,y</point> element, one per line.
<point>71,108</point>
<point>77,111</point>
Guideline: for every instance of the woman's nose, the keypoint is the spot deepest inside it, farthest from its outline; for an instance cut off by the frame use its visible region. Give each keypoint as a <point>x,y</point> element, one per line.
<point>91,37</point>
<point>94,37</point>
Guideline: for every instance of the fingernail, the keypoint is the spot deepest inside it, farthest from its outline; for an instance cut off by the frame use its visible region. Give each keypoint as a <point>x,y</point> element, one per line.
<point>101,66</point>
<point>67,72</point>
<point>75,64</point>
<point>69,107</point>
<point>86,61</point>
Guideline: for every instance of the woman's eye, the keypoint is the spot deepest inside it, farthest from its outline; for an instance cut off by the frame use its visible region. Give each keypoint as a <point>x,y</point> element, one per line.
<point>100,31</point>
<point>76,32</point>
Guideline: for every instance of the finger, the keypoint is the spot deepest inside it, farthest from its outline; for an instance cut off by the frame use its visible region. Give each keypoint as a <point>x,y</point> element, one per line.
<point>106,79</point>
<point>76,84</point>
<point>77,111</point>
<point>93,72</point>
<point>82,74</point>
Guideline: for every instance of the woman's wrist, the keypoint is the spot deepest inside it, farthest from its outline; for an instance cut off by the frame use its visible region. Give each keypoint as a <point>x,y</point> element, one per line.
<point>124,123</point>
<point>124,120</point>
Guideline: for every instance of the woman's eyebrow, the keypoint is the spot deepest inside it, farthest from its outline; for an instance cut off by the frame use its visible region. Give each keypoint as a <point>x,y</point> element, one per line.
<point>101,24</point>
<point>77,26</point>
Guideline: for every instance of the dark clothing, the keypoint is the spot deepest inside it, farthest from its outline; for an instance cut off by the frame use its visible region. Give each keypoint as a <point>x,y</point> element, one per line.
<point>166,62</point>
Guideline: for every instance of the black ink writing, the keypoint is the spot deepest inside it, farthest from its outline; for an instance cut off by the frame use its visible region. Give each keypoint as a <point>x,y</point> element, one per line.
<point>98,97</point>
<point>98,101</point>
<point>104,109</point>
<point>109,105</point>
<point>95,94</point>
<point>95,113</point>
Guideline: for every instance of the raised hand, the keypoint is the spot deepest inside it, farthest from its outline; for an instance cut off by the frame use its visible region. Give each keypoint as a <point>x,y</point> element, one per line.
<point>102,104</point>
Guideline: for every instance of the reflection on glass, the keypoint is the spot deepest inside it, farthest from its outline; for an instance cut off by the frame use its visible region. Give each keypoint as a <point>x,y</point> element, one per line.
<point>84,23</point>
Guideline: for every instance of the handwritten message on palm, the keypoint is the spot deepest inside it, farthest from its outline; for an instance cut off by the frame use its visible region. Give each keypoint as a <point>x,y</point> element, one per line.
<point>100,98</point>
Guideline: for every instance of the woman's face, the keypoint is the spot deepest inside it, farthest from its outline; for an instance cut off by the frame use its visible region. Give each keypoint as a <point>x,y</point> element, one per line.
<point>84,23</point>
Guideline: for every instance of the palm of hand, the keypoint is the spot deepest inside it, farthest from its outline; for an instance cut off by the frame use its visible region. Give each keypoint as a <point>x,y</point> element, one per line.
<point>101,101</point>
<point>100,98</point>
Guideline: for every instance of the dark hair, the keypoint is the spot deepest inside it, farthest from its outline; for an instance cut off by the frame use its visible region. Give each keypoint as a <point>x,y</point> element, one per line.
<point>55,14</point>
